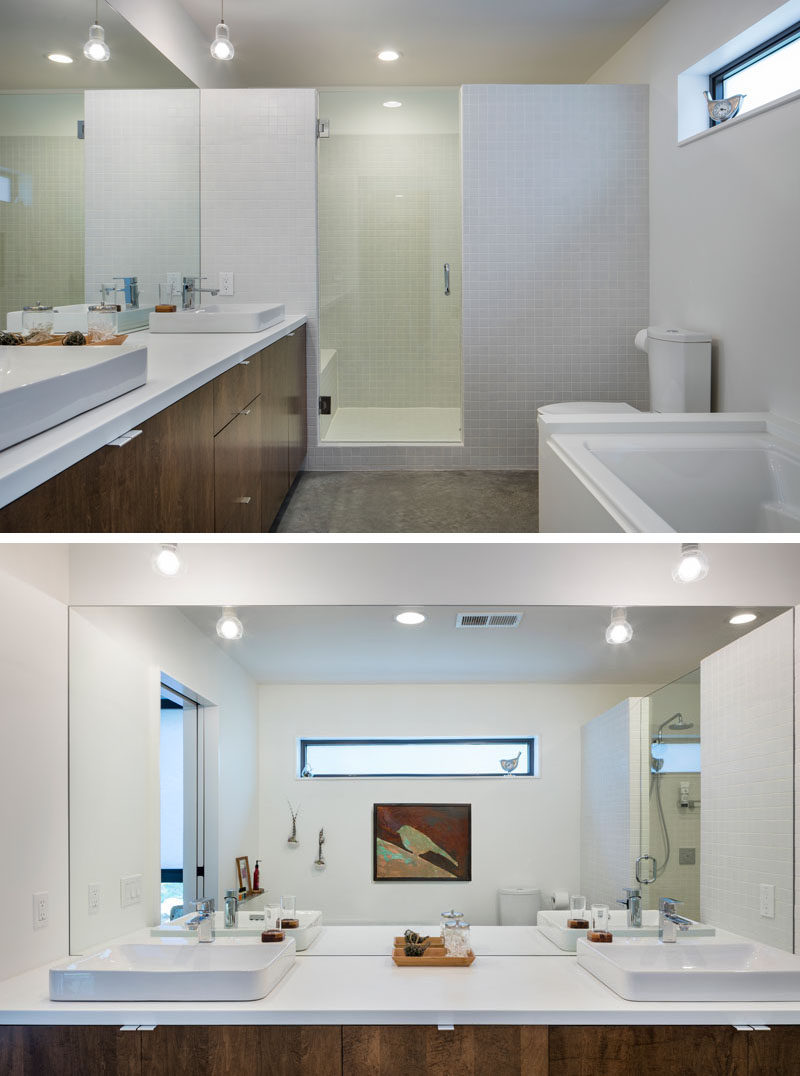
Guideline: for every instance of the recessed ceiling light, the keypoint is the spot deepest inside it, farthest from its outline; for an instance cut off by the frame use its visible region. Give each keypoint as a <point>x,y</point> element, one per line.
<point>619,630</point>
<point>392,104</point>
<point>388,55</point>
<point>229,626</point>
<point>743,618</point>
<point>410,618</point>
<point>59,58</point>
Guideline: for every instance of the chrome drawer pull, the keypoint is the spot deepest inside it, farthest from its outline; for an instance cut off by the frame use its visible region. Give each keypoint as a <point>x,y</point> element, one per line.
<point>124,438</point>
<point>242,500</point>
<point>244,362</point>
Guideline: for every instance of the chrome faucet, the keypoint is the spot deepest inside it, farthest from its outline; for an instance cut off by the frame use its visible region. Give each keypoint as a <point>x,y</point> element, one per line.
<point>633,903</point>
<point>669,922</point>
<point>203,922</point>
<point>190,289</point>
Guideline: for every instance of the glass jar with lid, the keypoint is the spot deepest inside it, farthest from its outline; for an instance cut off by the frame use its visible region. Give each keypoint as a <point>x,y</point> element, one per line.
<point>447,918</point>
<point>37,318</point>
<point>457,942</point>
<point>102,321</point>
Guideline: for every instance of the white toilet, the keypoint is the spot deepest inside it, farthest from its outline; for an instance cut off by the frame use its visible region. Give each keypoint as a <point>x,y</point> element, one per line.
<point>518,907</point>
<point>679,362</point>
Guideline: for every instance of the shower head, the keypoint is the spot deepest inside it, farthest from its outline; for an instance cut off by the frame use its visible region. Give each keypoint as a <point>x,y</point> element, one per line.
<point>676,724</point>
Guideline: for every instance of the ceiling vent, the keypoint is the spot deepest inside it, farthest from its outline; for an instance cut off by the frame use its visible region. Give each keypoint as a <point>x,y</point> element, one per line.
<point>488,620</point>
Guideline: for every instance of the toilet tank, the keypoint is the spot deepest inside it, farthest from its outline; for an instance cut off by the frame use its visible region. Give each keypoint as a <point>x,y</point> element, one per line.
<point>518,907</point>
<point>680,370</point>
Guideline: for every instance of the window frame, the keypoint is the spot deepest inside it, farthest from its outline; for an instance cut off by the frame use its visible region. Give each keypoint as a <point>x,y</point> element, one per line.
<point>716,80</point>
<point>305,742</point>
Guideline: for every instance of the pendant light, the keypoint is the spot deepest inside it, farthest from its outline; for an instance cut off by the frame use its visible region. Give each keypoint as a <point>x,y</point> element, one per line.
<point>96,48</point>
<point>692,564</point>
<point>229,626</point>
<point>222,46</point>
<point>167,561</point>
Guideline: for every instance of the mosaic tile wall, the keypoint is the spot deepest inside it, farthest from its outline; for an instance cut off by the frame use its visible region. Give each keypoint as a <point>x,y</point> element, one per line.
<point>41,227</point>
<point>389,218</point>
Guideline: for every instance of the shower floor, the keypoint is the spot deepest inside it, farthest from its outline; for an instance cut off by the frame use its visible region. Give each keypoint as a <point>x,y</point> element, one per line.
<point>393,425</point>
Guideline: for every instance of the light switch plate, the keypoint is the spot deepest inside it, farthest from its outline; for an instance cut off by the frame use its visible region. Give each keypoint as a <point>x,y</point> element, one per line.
<point>94,898</point>
<point>226,283</point>
<point>130,890</point>
<point>766,901</point>
<point>41,910</point>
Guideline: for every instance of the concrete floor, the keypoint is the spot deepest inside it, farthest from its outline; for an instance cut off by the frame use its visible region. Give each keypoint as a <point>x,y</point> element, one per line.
<point>449,502</point>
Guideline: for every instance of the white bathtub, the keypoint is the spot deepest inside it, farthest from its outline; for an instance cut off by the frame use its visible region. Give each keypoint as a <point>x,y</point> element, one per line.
<point>667,473</point>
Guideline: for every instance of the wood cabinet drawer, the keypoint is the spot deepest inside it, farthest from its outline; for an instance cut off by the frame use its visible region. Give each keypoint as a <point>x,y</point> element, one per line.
<point>237,472</point>
<point>234,390</point>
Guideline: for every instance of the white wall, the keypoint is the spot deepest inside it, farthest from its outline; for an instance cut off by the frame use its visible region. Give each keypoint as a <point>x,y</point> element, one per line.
<point>723,211</point>
<point>524,831</point>
<point>747,704</point>
<point>116,659</point>
<point>611,780</point>
<point>33,759</point>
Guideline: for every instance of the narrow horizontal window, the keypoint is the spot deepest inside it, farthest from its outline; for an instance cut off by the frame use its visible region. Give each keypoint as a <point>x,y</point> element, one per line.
<point>767,72</point>
<point>675,757</point>
<point>474,757</point>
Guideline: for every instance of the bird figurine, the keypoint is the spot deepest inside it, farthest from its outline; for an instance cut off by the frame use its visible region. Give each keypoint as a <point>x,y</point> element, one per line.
<point>724,109</point>
<point>510,764</point>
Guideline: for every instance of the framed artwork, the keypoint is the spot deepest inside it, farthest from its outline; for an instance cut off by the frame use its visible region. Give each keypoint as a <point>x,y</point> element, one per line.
<point>243,872</point>
<point>422,842</point>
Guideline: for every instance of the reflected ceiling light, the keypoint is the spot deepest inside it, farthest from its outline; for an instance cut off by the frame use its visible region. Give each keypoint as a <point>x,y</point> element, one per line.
<point>166,561</point>
<point>59,58</point>
<point>692,565</point>
<point>743,618</point>
<point>392,104</point>
<point>388,55</point>
<point>229,626</point>
<point>96,48</point>
<point>222,46</point>
<point>619,630</point>
<point>410,617</point>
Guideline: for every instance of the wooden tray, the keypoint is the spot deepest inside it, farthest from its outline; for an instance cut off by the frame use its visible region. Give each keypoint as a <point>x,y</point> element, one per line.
<point>436,942</point>
<point>58,339</point>
<point>431,960</point>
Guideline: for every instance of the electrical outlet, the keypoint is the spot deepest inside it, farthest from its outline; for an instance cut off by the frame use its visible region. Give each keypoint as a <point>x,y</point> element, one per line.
<point>766,901</point>
<point>174,281</point>
<point>226,283</point>
<point>130,890</point>
<point>41,910</point>
<point>94,898</point>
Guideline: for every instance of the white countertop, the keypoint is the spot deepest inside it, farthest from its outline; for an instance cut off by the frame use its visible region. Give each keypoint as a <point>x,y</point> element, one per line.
<point>177,364</point>
<point>372,990</point>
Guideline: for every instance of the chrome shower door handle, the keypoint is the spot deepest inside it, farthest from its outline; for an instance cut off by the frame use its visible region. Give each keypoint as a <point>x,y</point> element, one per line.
<point>652,878</point>
<point>447,278</point>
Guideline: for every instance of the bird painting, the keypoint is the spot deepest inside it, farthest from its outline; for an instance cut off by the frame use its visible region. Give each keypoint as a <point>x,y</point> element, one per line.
<point>724,109</point>
<point>510,764</point>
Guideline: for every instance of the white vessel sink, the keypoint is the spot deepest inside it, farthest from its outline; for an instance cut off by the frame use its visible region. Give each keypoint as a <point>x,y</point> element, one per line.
<point>220,318</point>
<point>554,926</point>
<point>173,971</point>
<point>43,386</point>
<point>250,925</point>
<point>646,970</point>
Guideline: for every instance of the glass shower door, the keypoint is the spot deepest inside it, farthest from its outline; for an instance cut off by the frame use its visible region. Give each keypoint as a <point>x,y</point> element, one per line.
<point>390,282</point>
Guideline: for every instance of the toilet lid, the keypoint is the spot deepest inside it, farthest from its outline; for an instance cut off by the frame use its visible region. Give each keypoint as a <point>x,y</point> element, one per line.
<point>587,408</point>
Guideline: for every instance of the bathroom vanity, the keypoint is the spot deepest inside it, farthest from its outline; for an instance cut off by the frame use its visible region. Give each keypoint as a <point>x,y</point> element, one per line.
<point>212,442</point>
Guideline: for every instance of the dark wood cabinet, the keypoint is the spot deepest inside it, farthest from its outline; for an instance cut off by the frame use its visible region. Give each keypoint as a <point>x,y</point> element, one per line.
<point>222,458</point>
<point>649,1051</point>
<point>467,1050</point>
<point>242,1051</point>
<point>69,1051</point>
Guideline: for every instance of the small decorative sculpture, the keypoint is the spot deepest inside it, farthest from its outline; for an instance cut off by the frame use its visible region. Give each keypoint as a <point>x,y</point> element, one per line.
<point>412,938</point>
<point>724,109</point>
<point>292,839</point>
<point>510,764</point>
<point>319,861</point>
<point>414,949</point>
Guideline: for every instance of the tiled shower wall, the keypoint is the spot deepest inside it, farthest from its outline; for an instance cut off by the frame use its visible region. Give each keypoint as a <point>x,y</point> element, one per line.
<point>555,268</point>
<point>41,228</point>
<point>389,218</point>
<point>142,186</point>
<point>747,702</point>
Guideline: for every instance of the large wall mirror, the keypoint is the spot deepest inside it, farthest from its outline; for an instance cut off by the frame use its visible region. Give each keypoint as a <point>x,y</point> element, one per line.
<point>184,758</point>
<point>123,201</point>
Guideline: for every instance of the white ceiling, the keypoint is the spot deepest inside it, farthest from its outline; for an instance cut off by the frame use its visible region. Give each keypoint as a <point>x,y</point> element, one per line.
<point>364,644</point>
<point>446,43</point>
<point>30,29</point>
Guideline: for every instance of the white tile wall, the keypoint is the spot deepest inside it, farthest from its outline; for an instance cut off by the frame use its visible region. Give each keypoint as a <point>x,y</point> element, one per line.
<point>142,186</point>
<point>610,801</point>
<point>555,267</point>
<point>259,201</point>
<point>747,819</point>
